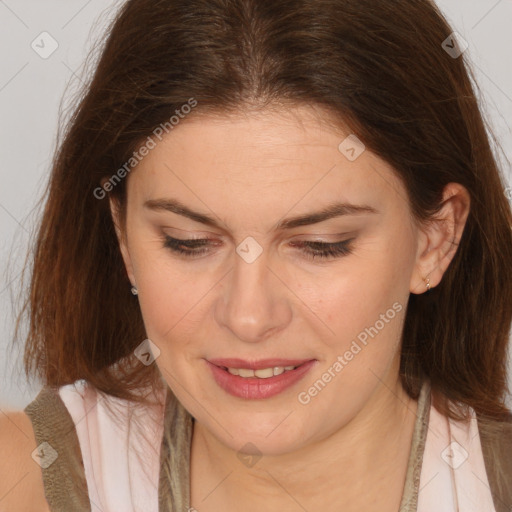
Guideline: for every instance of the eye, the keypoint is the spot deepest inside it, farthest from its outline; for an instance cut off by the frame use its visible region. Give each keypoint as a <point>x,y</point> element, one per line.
<point>198,246</point>
<point>325,250</point>
<point>191,247</point>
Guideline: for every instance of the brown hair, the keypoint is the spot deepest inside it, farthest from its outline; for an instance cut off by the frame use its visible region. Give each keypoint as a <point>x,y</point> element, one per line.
<point>378,66</point>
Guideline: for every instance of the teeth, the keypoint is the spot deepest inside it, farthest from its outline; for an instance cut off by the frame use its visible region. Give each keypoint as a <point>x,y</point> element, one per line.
<point>263,373</point>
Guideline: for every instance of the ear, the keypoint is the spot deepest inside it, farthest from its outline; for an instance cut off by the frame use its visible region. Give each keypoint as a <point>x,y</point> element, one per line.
<point>121,238</point>
<point>439,238</point>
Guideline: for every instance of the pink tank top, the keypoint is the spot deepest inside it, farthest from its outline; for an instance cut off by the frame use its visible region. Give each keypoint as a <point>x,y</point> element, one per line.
<point>117,477</point>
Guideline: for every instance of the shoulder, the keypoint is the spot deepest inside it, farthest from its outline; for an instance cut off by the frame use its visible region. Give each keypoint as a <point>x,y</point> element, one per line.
<point>21,484</point>
<point>41,461</point>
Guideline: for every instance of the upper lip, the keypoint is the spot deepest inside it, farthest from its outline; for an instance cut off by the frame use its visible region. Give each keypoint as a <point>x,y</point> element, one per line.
<point>256,365</point>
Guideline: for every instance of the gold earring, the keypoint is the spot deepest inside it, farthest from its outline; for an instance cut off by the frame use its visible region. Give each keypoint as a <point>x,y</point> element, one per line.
<point>427,281</point>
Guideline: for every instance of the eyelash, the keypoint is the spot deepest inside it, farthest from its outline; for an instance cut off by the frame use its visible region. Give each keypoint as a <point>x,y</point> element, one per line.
<point>322,250</point>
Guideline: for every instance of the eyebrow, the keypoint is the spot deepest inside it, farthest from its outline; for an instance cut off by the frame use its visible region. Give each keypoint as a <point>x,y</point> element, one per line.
<point>331,211</point>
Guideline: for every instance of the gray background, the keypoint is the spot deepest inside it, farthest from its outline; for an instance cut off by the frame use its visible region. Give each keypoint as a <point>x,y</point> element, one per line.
<point>31,89</point>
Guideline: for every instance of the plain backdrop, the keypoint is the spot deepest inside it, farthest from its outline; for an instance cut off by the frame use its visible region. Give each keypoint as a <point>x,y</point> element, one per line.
<point>31,89</point>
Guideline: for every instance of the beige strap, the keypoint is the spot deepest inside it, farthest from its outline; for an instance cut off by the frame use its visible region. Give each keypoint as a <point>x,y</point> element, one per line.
<point>64,481</point>
<point>174,484</point>
<point>496,441</point>
<point>412,480</point>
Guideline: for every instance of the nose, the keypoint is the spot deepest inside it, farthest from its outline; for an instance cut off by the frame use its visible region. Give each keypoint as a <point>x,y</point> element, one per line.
<point>253,303</point>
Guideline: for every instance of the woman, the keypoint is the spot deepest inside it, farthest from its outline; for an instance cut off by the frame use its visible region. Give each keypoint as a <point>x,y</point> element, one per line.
<point>273,271</point>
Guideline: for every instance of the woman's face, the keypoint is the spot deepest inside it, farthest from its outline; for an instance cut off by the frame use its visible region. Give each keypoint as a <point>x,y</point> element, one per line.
<point>267,290</point>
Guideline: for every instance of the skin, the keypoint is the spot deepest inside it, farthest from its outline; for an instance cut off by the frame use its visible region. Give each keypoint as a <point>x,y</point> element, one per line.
<point>249,172</point>
<point>21,479</point>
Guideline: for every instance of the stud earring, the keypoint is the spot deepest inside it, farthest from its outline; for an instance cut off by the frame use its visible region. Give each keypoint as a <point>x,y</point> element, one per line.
<point>135,291</point>
<point>427,281</point>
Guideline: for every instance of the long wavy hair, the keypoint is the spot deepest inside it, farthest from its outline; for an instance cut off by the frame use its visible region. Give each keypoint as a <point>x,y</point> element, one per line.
<point>381,67</point>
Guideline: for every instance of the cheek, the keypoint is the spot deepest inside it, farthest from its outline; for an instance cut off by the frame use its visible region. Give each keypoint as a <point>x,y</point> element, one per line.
<point>170,296</point>
<point>362,302</point>
<point>368,300</point>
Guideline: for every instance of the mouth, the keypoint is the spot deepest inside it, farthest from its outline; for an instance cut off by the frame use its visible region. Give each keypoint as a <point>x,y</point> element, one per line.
<point>260,379</point>
<point>263,373</point>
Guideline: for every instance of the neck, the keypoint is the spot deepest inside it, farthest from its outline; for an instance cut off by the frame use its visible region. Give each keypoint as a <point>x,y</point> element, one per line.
<point>355,468</point>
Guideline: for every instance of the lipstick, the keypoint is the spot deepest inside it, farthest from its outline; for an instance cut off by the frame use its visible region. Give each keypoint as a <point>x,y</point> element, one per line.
<point>256,380</point>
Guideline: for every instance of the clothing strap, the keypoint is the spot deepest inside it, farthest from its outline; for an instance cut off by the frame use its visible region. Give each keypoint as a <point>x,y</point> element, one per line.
<point>64,481</point>
<point>409,501</point>
<point>174,483</point>
<point>496,439</point>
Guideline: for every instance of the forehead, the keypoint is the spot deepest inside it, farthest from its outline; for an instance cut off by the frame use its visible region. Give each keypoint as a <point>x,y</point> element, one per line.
<point>265,160</point>
<point>292,134</point>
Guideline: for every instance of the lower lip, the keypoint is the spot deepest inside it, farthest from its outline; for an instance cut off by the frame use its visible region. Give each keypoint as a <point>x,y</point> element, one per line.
<point>253,388</point>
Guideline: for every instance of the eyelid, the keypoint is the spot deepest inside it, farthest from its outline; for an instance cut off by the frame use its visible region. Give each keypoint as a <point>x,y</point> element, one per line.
<point>326,237</point>
<point>320,251</point>
<point>308,239</point>
<point>193,235</point>
<point>188,233</point>
<point>204,241</point>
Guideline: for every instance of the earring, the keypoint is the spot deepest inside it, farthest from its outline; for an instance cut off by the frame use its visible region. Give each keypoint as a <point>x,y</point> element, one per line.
<point>135,291</point>
<point>427,281</point>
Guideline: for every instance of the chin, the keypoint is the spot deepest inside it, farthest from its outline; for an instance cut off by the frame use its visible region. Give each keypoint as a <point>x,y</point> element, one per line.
<point>267,434</point>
